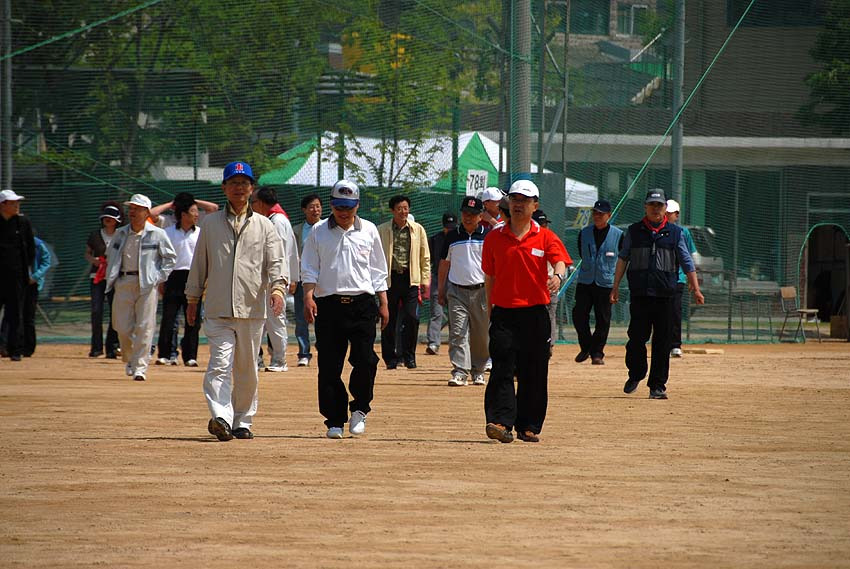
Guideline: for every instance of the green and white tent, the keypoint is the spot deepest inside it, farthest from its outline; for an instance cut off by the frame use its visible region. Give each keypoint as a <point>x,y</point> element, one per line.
<point>427,165</point>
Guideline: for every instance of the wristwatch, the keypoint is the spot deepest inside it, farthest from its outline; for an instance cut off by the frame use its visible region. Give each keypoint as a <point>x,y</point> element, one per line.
<point>560,277</point>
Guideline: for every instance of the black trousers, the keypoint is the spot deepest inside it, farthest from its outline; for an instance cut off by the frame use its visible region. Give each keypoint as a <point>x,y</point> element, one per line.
<point>30,304</point>
<point>172,301</point>
<point>99,300</point>
<point>650,315</point>
<point>403,302</point>
<point>12,292</point>
<point>519,342</point>
<point>676,322</point>
<point>344,321</point>
<point>591,296</point>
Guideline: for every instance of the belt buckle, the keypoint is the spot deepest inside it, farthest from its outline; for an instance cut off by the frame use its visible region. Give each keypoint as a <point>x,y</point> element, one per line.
<point>345,299</point>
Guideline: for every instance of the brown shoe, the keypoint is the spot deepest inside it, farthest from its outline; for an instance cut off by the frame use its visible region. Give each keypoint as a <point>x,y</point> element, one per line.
<point>527,436</point>
<point>499,433</point>
<point>597,361</point>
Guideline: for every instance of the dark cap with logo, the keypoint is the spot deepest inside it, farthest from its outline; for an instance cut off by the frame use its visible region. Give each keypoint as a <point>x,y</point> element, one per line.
<point>449,220</point>
<point>540,217</point>
<point>656,196</point>
<point>471,204</point>
<point>602,206</point>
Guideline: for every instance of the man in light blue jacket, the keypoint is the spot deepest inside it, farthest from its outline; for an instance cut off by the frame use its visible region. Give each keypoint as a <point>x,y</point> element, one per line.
<point>598,245</point>
<point>139,258</point>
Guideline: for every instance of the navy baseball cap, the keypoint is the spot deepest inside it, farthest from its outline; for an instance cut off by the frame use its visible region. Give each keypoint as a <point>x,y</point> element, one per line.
<point>471,204</point>
<point>449,220</point>
<point>238,169</point>
<point>540,217</point>
<point>655,196</point>
<point>602,206</point>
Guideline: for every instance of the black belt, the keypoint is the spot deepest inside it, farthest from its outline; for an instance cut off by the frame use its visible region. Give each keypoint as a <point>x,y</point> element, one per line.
<point>470,287</point>
<point>345,298</point>
<point>128,273</point>
<point>401,272</point>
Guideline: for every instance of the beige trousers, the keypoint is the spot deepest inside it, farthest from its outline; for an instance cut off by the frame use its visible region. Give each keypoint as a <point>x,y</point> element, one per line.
<point>230,384</point>
<point>134,319</point>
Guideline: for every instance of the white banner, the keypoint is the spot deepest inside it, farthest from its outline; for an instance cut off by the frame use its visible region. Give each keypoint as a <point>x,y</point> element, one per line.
<point>476,181</point>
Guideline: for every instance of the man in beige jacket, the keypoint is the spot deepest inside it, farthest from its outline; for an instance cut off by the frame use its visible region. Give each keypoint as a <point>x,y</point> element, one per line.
<point>239,255</point>
<point>409,262</point>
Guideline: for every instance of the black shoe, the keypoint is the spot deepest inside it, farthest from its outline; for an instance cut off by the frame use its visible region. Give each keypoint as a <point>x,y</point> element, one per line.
<point>631,385</point>
<point>220,429</point>
<point>392,365</point>
<point>93,354</point>
<point>243,433</point>
<point>15,358</point>
<point>597,361</point>
<point>499,433</point>
<point>659,393</point>
<point>582,356</point>
<point>111,356</point>
<point>410,364</point>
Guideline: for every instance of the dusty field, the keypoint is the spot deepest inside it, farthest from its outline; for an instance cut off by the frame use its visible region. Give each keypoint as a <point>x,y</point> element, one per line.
<point>747,465</point>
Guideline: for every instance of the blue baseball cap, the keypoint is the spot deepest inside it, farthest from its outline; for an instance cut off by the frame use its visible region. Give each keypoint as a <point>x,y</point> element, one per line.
<point>238,169</point>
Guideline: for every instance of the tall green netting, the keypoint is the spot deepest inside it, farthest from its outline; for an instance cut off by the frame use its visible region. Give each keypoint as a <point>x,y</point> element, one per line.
<point>435,99</point>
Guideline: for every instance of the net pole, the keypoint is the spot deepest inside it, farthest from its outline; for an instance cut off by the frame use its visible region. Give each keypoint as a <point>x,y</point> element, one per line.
<point>521,107</point>
<point>7,96</point>
<point>676,159</point>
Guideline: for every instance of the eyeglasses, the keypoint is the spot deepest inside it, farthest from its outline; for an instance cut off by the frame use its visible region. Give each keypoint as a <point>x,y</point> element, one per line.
<point>519,198</point>
<point>342,207</point>
<point>238,183</point>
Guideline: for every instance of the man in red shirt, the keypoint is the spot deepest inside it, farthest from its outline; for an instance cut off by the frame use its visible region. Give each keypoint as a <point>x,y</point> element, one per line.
<point>518,287</point>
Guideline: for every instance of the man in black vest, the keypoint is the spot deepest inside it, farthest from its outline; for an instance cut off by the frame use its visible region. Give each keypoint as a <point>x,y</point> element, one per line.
<point>652,250</point>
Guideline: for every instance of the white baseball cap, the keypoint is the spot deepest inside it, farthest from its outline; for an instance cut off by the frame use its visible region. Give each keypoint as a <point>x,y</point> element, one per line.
<point>345,194</point>
<point>139,200</point>
<point>9,196</point>
<point>491,194</point>
<point>525,188</point>
<point>672,206</point>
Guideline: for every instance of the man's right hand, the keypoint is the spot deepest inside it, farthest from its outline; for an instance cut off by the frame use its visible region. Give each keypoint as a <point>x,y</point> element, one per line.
<point>441,298</point>
<point>191,313</point>
<point>615,296</point>
<point>310,309</point>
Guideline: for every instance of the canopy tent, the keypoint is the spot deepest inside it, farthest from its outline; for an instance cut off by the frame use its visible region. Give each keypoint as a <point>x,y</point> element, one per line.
<point>431,168</point>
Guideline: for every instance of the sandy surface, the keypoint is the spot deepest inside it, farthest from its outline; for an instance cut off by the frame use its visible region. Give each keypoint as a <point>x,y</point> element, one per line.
<point>746,465</point>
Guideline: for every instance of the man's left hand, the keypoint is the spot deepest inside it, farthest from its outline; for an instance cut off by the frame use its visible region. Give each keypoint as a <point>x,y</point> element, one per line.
<point>699,297</point>
<point>277,304</point>
<point>554,284</point>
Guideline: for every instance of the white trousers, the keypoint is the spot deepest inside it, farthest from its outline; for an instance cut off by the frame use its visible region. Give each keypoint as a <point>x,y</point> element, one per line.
<point>134,319</point>
<point>230,384</point>
<point>278,336</point>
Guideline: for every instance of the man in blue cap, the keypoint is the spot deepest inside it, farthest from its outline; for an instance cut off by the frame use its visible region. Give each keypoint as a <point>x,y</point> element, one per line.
<point>238,257</point>
<point>652,252</point>
<point>598,245</point>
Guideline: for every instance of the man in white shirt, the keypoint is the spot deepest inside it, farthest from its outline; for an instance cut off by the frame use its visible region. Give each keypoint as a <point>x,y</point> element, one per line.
<point>239,256</point>
<point>311,205</point>
<point>183,235</point>
<point>264,201</point>
<point>343,269</point>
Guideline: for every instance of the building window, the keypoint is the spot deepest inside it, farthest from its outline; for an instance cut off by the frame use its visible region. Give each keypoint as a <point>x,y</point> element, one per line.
<point>777,13</point>
<point>630,17</point>
<point>590,17</point>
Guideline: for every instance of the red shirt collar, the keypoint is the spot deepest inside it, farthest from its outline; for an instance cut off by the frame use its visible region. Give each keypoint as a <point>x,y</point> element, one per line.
<point>654,229</point>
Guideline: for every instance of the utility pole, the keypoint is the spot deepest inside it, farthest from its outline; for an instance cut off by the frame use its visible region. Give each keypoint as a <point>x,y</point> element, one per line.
<point>7,97</point>
<point>541,98</point>
<point>521,87</point>
<point>676,163</point>
<point>566,87</point>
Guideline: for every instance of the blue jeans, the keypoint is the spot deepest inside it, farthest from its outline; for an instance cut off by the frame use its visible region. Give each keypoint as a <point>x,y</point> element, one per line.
<point>302,329</point>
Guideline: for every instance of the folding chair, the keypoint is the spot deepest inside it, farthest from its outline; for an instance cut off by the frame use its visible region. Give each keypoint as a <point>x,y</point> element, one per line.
<point>788,300</point>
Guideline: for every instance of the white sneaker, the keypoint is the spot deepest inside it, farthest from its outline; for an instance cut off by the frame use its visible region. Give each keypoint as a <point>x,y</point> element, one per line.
<point>478,379</point>
<point>128,369</point>
<point>277,366</point>
<point>162,361</point>
<point>357,423</point>
<point>303,362</point>
<point>489,365</point>
<point>457,380</point>
<point>676,353</point>
<point>192,363</point>
<point>334,433</point>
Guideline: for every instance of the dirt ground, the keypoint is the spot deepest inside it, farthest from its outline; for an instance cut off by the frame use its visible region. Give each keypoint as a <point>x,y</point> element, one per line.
<point>746,465</point>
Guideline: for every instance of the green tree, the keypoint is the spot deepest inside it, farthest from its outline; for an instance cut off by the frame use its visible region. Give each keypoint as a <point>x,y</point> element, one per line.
<point>829,97</point>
